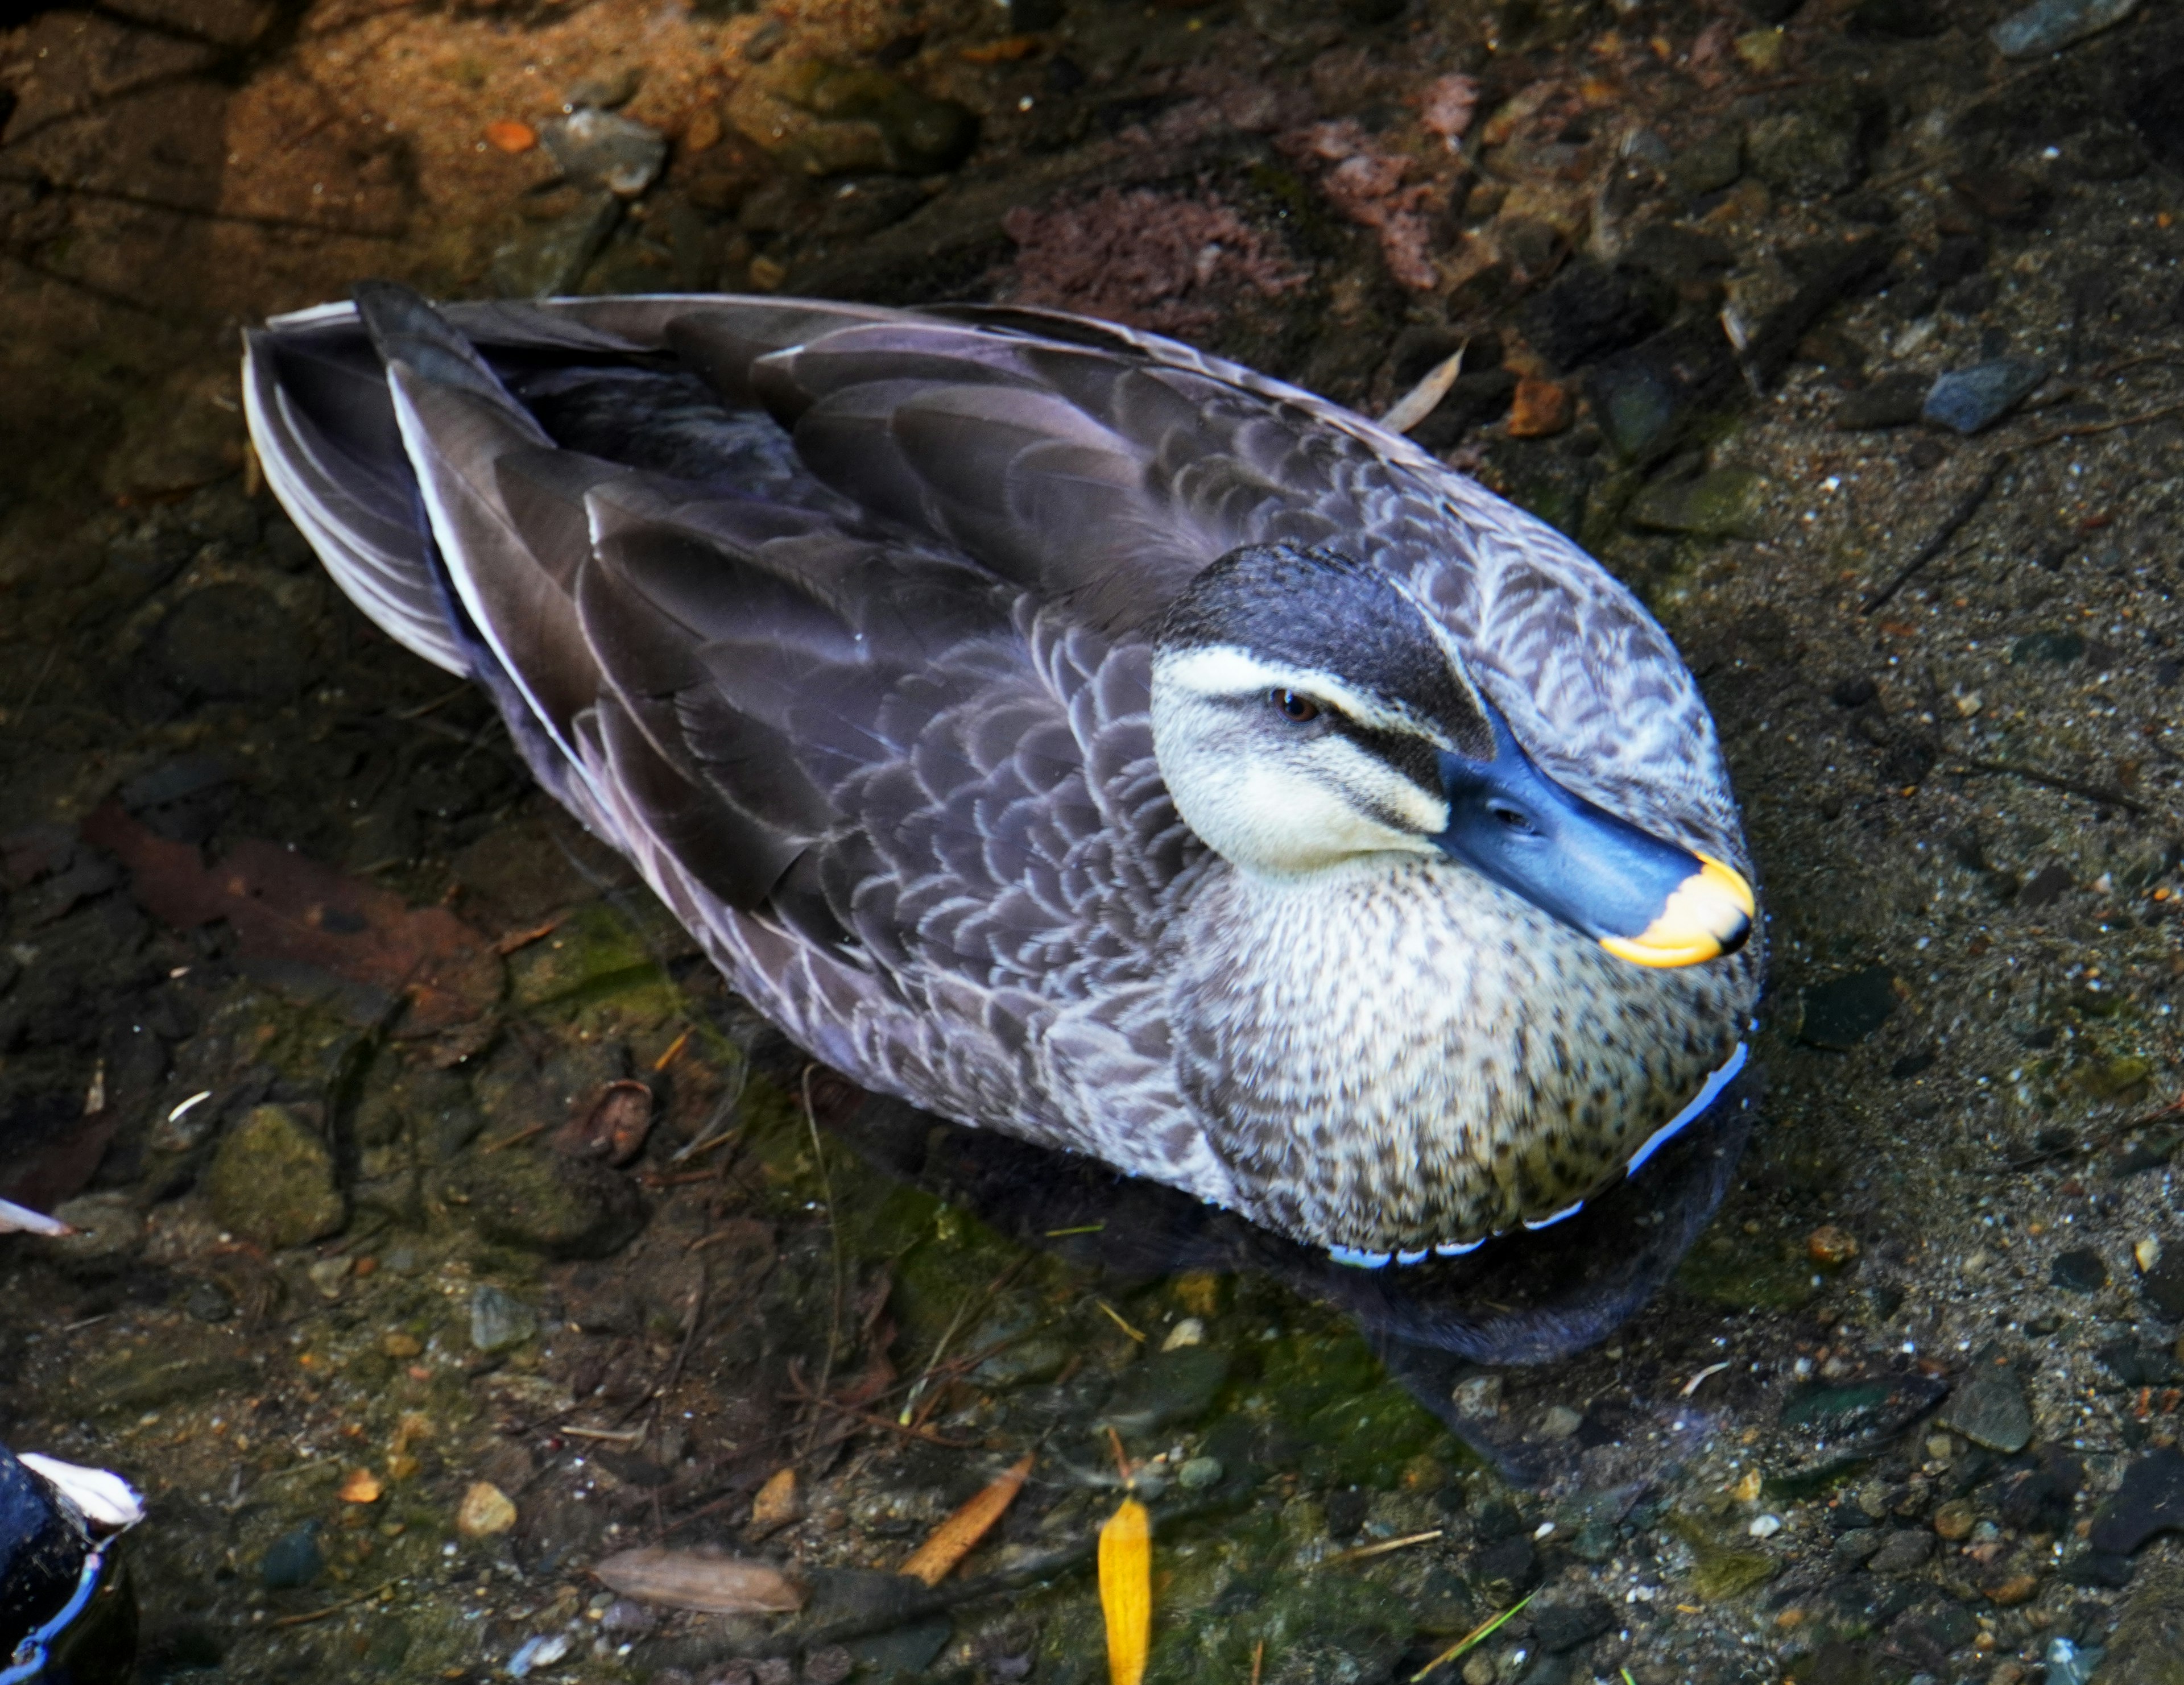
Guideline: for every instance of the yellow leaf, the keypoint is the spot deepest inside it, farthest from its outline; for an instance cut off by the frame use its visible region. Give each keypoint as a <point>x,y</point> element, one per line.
<point>1126,1590</point>
<point>953,1540</point>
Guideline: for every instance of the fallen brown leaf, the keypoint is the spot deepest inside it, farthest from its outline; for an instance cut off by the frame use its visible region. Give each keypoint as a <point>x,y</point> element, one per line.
<point>711,1585</point>
<point>284,907</point>
<point>954,1539</point>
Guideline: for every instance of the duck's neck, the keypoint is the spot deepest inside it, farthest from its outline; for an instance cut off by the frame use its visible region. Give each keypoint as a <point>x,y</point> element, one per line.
<point>1395,1052</point>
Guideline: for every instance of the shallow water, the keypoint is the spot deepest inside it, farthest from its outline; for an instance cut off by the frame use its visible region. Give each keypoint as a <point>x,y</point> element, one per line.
<point>1876,1426</point>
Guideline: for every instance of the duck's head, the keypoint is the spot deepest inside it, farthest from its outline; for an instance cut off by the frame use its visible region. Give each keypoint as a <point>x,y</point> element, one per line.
<point>1307,711</point>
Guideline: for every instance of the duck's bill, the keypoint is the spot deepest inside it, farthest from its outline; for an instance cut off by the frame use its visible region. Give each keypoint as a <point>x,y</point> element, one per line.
<point>1708,915</point>
<point>1646,901</point>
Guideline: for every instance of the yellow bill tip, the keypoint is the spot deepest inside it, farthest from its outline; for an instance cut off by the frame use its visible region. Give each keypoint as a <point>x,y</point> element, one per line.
<point>1708,915</point>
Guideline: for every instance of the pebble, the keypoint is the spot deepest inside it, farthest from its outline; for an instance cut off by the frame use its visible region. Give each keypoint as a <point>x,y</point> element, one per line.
<point>2149,1500</point>
<point>272,1181</point>
<point>208,1301</point>
<point>2078,1271</point>
<point>606,88</point>
<point>498,1319</point>
<point>625,1618</point>
<point>830,1666</point>
<point>1989,1406</point>
<point>293,1560</point>
<point>1955,1519</point>
<point>2049,25</point>
<point>1723,504</point>
<point>1892,401</point>
<point>1967,400</point>
<point>485,1510</point>
<point>1166,1389</point>
<point>598,148</point>
<point>1830,1247</point>
<point>552,259</point>
<point>328,1274</point>
<point>1852,1548</point>
<point>1200,1473</point>
<point>1542,408</point>
<point>1558,1422</point>
<point>509,135</point>
<point>110,1232</point>
<point>541,1650</point>
<point>2164,1284</point>
<point>1904,1551</point>
<point>1764,1526</point>
<point>1840,1013</point>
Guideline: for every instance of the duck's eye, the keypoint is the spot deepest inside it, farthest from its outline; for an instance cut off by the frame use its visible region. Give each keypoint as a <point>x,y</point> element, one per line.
<point>1294,706</point>
<point>1512,818</point>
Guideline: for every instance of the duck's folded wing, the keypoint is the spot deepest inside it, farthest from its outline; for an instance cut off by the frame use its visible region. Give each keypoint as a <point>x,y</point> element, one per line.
<point>855,730</point>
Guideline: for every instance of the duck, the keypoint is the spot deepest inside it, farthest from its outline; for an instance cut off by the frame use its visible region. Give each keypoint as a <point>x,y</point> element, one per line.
<point>1068,732</point>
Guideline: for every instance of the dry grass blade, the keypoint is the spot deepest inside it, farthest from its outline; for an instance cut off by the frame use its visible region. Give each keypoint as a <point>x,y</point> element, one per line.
<point>1485,1629</point>
<point>1422,399</point>
<point>711,1585</point>
<point>1126,1591</point>
<point>954,1539</point>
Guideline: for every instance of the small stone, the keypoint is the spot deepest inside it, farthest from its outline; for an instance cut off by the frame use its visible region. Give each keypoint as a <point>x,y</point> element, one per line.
<point>208,1302</point>
<point>1967,400</point>
<point>2146,1253</point>
<point>329,1274</point>
<point>1764,1526</point>
<point>485,1510</point>
<point>1852,1548</point>
<point>2078,1271</point>
<point>552,259</point>
<point>110,1233</point>
<point>1708,166</point>
<point>2149,1500</point>
<point>1905,1551</point>
<point>830,1666</point>
<point>1478,1397</point>
<point>1200,1473</point>
<point>1955,1519</point>
<point>2012,1589</point>
<point>1542,408</point>
<point>597,148</point>
<point>2148,1648</point>
<point>1761,50</point>
<point>360,1486</point>
<point>564,1208</point>
<point>1167,1389</point>
<point>1840,1013</point>
<point>293,1560</point>
<point>777,1504</point>
<point>2164,1284</point>
<point>2050,25</point>
<point>1191,1331</point>
<point>401,1345</point>
<point>1807,154</point>
<point>625,1618</point>
<point>2059,649</point>
<point>1724,503</point>
<point>1989,1406</point>
<point>272,1181</point>
<point>498,1319</point>
<point>231,642</point>
<point>1558,1422</point>
<point>1565,1625</point>
<point>509,135</point>
<point>1830,1247</point>
<point>606,88</point>
<point>1588,310</point>
<point>1892,401</point>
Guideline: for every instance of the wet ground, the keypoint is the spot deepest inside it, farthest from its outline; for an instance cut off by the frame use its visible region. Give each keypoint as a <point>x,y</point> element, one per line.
<point>313,1013</point>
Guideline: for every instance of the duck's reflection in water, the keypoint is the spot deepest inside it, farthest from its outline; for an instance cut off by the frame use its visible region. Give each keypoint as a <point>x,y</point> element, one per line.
<point>1527,1298</point>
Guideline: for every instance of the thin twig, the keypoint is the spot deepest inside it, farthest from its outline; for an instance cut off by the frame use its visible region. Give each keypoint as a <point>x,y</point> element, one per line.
<point>1967,507</point>
<point>2055,781</point>
<point>334,1607</point>
<point>834,1235</point>
<point>1362,1552</point>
